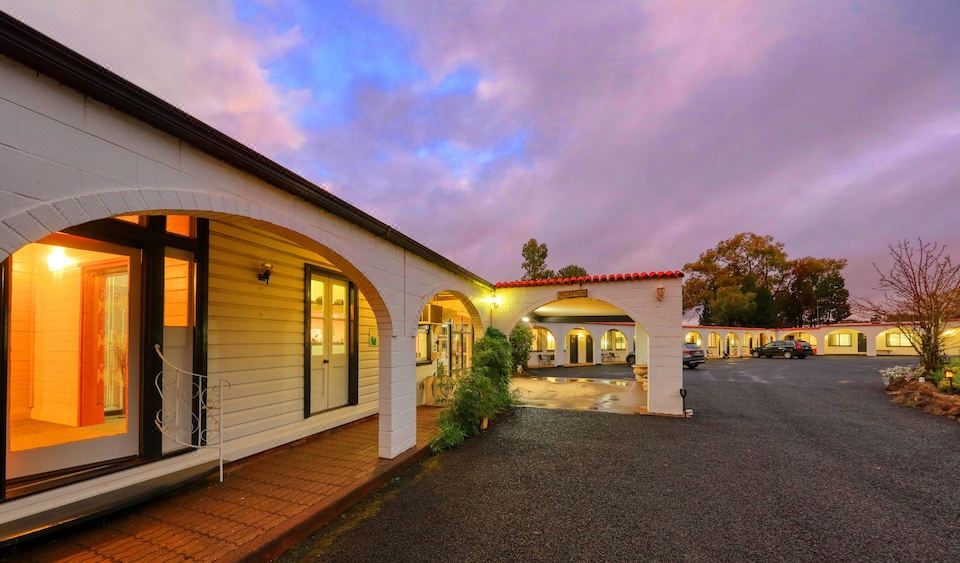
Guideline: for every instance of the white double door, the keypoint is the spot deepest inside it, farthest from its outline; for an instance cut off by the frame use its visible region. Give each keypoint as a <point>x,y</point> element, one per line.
<point>329,343</point>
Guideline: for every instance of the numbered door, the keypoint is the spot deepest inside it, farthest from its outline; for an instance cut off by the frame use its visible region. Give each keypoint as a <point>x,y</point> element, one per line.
<point>329,341</point>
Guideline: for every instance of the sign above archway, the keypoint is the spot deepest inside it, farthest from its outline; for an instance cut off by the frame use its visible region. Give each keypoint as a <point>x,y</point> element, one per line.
<point>572,294</point>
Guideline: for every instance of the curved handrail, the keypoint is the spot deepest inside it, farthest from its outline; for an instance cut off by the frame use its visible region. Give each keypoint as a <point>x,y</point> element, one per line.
<point>167,418</point>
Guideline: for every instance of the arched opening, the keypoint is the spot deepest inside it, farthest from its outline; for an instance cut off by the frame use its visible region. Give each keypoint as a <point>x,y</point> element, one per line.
<point>749,343</point>
<point>807,337</point>
<point>578,346</point>
<point>448,326</point>
<point>844,341</point>
<point>613,347</point>
<point>693,337</point>
<point>731,346</point>
<point>292,325</point>
<point>713,349</point>
<point>896,342</point>
<point>543,348</point>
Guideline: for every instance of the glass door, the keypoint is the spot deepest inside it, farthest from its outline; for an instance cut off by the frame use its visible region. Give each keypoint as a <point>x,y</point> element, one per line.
<point>328,361</point>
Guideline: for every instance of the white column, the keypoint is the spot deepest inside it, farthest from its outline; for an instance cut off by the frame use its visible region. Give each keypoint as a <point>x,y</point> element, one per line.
<point>398,395</point>
<point>871,343</point>
<point>596,346</point>
<point>643,347</point>
<point>665,376</point>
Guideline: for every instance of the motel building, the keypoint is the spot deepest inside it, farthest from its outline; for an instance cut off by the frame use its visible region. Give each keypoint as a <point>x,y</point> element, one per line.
<point>170,300</point>
<point>842,339</point>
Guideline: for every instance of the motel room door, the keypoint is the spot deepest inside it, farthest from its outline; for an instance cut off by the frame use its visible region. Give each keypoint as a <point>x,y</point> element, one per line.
<point>574,348</point>
<point>329,340</point>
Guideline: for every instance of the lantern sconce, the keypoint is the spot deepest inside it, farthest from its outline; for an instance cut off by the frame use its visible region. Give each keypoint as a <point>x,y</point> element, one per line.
<point>661,291</point>
<point>949,374</point>
<point>264,272</point>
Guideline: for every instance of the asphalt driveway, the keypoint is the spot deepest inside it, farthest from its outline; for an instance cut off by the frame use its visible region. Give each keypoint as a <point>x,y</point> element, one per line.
<point>793,460</point>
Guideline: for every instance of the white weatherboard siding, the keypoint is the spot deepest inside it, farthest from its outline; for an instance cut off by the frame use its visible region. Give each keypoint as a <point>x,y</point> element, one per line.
<point>256,338</point>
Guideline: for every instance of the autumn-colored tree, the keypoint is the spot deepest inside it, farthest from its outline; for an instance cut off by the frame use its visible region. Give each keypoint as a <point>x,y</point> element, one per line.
<point>921,292</point>
<point>747,280</point>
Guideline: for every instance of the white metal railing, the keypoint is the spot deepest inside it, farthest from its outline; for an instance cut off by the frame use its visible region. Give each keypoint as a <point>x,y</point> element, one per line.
<point>203,432</point>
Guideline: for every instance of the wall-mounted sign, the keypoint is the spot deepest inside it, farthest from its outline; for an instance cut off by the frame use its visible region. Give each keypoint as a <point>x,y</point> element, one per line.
<point>374,337</point>
<point>572,294</point>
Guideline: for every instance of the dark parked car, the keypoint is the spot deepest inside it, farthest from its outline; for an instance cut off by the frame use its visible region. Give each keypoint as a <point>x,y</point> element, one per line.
<point>786,348</point>
<point>692,356</point>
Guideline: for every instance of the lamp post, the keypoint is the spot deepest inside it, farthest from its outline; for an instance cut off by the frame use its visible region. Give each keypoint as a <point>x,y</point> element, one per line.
<point>949,374</point>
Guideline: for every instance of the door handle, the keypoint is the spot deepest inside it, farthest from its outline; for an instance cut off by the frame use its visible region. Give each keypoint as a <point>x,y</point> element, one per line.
<point>326,361</point>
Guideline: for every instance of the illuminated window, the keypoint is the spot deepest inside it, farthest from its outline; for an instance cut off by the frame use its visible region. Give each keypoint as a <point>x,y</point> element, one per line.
<point>72,329</point>
<point>180,225</point>
<point>423,344</point>
<point>135,219</point>
<point>840,339</point>
<point>898,340</point>
<point>613,340</point>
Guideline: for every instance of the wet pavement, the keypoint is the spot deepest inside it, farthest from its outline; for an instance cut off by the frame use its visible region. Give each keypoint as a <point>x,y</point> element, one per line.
<point>799,460</point>
<point>604,395</point>
<point>605,371</point>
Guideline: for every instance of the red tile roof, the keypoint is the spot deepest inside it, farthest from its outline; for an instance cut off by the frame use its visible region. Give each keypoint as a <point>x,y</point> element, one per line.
<point>592,279</point>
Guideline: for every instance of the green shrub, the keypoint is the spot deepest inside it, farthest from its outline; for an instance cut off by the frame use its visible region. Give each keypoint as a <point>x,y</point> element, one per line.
<point>521,340</point>
<point>483,392</point>
<point>492,354</point>
<point>944,386</point>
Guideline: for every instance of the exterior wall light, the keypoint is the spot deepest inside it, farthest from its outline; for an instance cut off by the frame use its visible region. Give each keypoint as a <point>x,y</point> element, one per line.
<point>525,319</point>
<point>264,272</point>
<point>949,374</point>
<point>661,291</point>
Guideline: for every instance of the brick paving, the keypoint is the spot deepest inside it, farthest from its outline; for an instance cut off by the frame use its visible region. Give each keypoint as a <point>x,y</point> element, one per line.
<point>265,504</point>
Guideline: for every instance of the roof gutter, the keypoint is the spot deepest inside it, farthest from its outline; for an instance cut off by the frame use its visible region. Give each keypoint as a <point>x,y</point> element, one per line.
<point>31,48</point>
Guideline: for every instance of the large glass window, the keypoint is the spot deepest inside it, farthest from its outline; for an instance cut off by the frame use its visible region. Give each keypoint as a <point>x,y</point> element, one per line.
<point>840,339</point>
<point>898,340</point>
<point>423,344</point>
<point>74,317</point>
<point>613,340</point>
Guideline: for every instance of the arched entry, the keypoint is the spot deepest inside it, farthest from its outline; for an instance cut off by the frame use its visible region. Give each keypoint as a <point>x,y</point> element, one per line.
<point>844,341</point>
<point>613,347</point>
<point>749,343</point>
<point>896,342</point>
<point>713,349</point>
<point>731,346</point>
<point>543,349</point>
<point>235,298</point>
<point>579,347</point>
<point>693,337</point>
<point>448,326</point>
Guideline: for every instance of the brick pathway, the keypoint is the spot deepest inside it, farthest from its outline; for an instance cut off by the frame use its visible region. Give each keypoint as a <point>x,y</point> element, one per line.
<point>264,505</point>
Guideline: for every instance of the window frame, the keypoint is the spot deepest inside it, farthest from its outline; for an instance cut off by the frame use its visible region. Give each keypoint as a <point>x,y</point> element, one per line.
<point>429,332</point>
<point>901,337</point>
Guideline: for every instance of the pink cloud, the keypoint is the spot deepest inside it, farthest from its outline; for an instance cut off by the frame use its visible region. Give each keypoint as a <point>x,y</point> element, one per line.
<point>195,55</point>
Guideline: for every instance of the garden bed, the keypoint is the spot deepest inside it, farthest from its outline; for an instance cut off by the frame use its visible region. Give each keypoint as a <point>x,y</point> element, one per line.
<point>924,395</point>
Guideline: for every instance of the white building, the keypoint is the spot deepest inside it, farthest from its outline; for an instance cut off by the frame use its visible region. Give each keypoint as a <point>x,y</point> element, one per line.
<point>127,225</point>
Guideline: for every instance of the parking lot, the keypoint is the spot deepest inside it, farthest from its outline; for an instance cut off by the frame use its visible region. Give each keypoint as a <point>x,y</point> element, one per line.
<point>783,460</point>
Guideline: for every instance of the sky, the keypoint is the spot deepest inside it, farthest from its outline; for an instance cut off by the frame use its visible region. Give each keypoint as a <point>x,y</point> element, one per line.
<point>627,135</point>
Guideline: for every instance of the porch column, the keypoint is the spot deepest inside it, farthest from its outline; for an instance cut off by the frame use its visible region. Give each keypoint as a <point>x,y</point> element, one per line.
<point>643,347</point>
<point>398,395</point>
<point>665,376</point>
<point>596,349</point>
<point>871,343</point>
<point>560,342</point>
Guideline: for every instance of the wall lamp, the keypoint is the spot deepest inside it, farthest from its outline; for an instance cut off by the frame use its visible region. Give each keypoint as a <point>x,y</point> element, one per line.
<point>661,291</point>
<point>264,271</point>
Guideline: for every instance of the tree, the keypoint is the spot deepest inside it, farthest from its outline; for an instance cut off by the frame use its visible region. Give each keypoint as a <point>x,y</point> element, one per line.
<point>571,271</point>
<point>521,341</point>
<point>535,263</point>
<point>921,293</point>
<point>747,280</point>
<point>534,260</point>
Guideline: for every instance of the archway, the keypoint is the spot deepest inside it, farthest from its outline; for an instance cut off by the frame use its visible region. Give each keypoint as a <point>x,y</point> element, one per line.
<point>693,337</point>
<point>578,346</point>
<point>749,343</point>
<point>277,310</point>
<point>731,346</point>
<point>613,347</point>
<point>844,341</point>
<point>543,349</point>
<point>713,349</point>
<point>448,327</point>
<point>896,342</point>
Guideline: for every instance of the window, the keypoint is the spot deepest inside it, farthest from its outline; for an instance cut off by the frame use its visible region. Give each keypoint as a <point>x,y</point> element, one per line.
<point>898,340</point>
<point>840,339</point>
<point>180,225</point>
<point>536,344</point>
<point>613,340</point>
<point>542,337</point>
<point>423,345</point>
<point>551,343</point>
